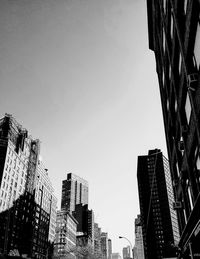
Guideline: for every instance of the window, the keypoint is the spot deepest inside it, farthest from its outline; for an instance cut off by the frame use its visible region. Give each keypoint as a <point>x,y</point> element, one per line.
<point>185,6</point>
<point>188,108</point>
<point>172,27</point>
<point>180,63</point>
<point>196,46</point>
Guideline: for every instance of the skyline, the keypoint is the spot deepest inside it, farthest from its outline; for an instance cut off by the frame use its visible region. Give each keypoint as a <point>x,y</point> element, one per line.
<point>81,78</point>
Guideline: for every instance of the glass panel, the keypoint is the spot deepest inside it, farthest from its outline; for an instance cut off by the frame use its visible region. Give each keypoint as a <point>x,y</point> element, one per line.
<point>188,108</point>
<point>196,46</point>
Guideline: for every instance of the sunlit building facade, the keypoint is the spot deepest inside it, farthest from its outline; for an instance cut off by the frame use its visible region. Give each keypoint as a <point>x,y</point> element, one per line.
<point>25,211</point>
<point>174,36</point>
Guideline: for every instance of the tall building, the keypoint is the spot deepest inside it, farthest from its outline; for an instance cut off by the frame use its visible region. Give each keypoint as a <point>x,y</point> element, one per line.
<point>104,245</point>
<point>139,247</point>
<point>97,240</point>
<point>109,248</point>
<point>24,220</point>
<point>159,221</point>
<point>174,36</point>
<point>74,191</point>
<point>126,252</point>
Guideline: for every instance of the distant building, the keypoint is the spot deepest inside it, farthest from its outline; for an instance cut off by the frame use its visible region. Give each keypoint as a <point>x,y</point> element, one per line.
<point>116,256</point>
<point>97,240</point>
<point>159,220</point>
<point>65,239</point>
<point>109,249</point>
<point>139,247</point>
<point>74,191</point>
<point>174,36</point>
<point>85,219</point>
<point>104,245</point>
<point>126,252</point>
<point>25,213</point>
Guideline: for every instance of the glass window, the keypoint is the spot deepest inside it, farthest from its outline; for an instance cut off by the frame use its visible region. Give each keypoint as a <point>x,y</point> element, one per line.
<point>196,46</point>
<point>180,63</point>
<point>188,108</point>
<point>172,27</point>
<point>185,6</point>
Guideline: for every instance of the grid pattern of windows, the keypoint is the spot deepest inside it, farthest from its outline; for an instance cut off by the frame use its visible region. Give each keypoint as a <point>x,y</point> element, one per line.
<point>178,72</point>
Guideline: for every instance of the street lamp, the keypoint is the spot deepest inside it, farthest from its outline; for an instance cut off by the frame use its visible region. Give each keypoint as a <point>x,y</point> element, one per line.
<point>129,243</point>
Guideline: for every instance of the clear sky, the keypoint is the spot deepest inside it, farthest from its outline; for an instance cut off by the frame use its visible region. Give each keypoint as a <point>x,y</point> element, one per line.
<point>78,75</point>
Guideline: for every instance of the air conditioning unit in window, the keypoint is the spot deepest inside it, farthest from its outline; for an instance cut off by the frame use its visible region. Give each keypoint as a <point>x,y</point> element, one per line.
<point>181,145</point>
<point>177,205</point>
<point>192,80</point>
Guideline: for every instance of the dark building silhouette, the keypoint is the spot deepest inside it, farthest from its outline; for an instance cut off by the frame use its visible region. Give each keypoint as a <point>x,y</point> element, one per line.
<point>174,36</point>
<point>85,226</point>
<point>158,219</point>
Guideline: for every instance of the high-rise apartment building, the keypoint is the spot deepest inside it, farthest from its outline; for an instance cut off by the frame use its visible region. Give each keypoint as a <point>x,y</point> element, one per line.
<point>74,191</point>
<point>25,211</point>
<point>139,247</point>
<point>174,36</point>
<point>159,221</point>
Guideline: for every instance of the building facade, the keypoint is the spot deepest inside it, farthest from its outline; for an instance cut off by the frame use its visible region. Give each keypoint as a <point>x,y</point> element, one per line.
<point>126,252</point>
<point>159,220</point>
<point>116,256</point>
<point>24,221</point>
<point>97,240</point>
<point>104,245</point>
<point>65,238</point>
<point>139,246</point>
<point>109,248</point>
<point>74,191</point>
<point>174,36</point>
<point>85,226</point>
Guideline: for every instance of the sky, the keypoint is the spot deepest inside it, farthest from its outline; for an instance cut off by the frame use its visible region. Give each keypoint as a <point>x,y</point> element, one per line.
<point>79,76</point>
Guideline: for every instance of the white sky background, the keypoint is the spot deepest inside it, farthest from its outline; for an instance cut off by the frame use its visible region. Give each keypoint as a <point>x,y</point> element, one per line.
<point>78,74</point>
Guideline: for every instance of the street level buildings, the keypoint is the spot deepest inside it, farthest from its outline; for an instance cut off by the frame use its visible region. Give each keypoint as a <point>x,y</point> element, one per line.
<point>174,36</point>
<point>159,221</point>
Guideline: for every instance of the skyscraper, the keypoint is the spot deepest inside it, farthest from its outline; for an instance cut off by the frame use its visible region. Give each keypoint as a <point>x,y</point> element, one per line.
<point>74,191</point>
<point>174,36</point>
<point>159,221</point>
